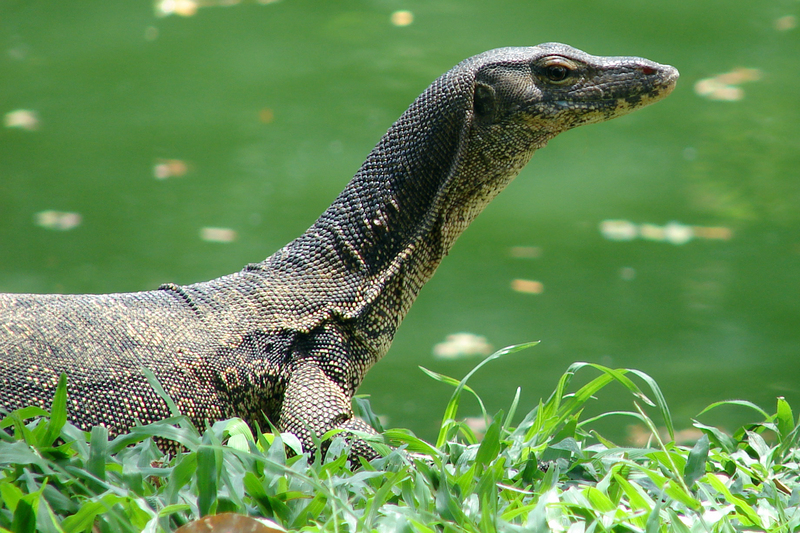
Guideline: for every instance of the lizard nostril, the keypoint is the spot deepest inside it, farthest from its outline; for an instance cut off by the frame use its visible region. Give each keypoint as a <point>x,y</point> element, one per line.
<point>648,71</point>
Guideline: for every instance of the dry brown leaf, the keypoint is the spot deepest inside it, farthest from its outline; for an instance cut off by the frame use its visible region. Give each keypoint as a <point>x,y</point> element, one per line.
<point>228,523</point>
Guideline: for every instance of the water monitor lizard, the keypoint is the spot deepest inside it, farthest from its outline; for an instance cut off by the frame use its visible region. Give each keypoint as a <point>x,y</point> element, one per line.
<point>292,337</point>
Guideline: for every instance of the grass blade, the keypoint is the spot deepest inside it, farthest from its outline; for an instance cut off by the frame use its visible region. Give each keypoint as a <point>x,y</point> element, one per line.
<point>58,413</point>
<point>661,402</point>
<point>785,419</point>
<point>153,381</point>
<point>696,462</point>
<point>206,479</point>
<point>490,446</point>
<point>744,403</point>
<point>452,406</point>
<point>98,455</point>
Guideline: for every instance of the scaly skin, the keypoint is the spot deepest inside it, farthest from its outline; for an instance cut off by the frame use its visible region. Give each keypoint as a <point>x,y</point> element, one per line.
<point>293,336</point>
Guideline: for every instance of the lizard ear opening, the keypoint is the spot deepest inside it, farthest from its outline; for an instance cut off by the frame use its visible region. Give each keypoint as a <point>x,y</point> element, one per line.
<point>484,100</point>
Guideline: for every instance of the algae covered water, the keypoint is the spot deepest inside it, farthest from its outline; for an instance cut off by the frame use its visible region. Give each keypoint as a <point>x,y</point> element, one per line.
<point>179,141</point>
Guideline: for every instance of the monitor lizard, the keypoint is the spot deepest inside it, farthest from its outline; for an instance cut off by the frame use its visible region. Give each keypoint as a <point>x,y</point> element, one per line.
<point>292,337</point>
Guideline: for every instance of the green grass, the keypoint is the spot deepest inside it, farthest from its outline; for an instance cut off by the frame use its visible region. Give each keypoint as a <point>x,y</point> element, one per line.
<point>549,472</point>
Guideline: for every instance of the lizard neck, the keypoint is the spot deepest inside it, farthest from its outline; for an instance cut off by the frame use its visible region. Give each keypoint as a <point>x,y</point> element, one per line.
<point>369,254</point>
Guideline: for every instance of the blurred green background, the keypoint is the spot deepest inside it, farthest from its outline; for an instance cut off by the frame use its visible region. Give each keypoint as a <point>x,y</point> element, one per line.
<point>148,127</point>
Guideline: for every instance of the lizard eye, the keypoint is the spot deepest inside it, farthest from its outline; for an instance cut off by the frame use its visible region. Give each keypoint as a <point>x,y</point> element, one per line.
<point>556,69</point>
<point>556,72</point>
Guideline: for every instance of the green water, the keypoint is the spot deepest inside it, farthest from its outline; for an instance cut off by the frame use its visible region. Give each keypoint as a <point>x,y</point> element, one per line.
<point>273,108</point>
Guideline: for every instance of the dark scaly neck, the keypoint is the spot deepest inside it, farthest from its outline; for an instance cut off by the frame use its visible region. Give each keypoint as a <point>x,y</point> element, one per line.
<point>369,254</point>
<point>390,202</point>
<point>389,205</point>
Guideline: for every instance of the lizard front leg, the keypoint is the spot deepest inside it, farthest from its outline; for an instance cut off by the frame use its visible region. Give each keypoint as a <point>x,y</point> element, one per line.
<point>313,402</point>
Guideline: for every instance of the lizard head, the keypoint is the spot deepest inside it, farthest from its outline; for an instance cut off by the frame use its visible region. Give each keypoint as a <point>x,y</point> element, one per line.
<point>550,88</point>
<point>514,100</point>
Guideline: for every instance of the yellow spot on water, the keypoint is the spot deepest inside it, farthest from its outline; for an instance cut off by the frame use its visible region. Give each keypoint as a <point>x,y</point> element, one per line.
<point>460,345</point>
<point>266,115</point>
<point>184,8</point>
<point>527,286</point>
<point>58,220</point>
<point>402,18</point>
<point>218,234</point>
<point>525,252</point>
<point>188,8</point>
<point>24,119</point>
<point>725,87</point>
<point>619,230</point>
<point>673,232</point>
<point>170,168</point>
<point>713,232</point>
<point>789,22</point>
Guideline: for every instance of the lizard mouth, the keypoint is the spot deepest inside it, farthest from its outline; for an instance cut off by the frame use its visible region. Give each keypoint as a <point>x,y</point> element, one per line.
<point>662,80</point>
<point>616,97</point>
<point>658,82</point>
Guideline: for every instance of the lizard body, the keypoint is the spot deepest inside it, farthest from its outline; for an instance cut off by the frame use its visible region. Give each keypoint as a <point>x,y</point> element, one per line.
<point>292,337</point>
